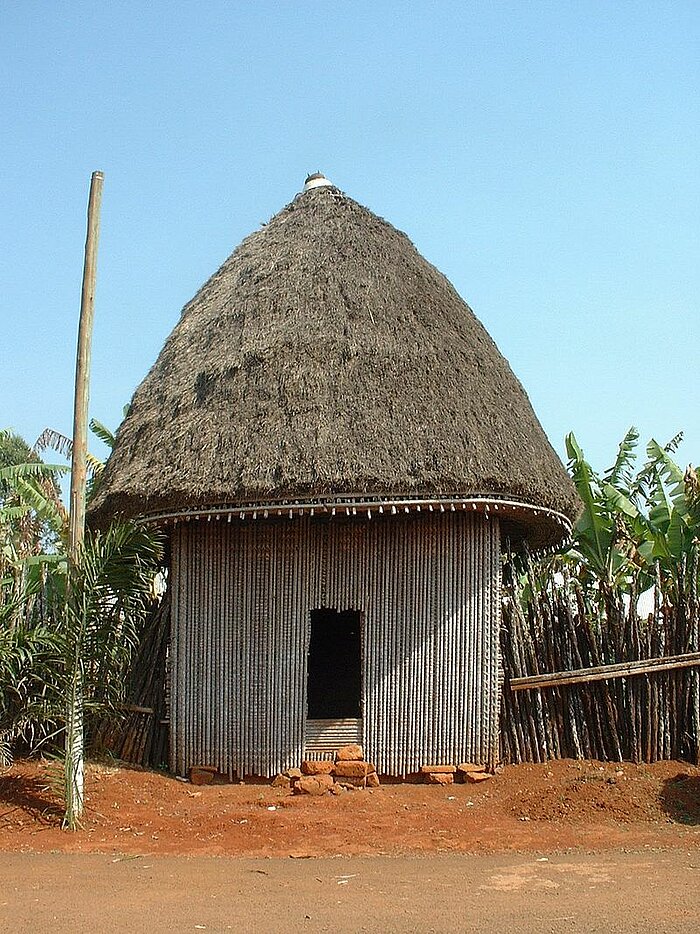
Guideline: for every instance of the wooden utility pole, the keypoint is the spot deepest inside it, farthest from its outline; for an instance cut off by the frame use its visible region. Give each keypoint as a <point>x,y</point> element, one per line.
<point>78,482</point>
<point>74,741</point>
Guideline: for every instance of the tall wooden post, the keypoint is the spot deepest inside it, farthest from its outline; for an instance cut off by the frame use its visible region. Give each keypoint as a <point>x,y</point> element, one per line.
<point>74,742</point>
<point>78,483</point>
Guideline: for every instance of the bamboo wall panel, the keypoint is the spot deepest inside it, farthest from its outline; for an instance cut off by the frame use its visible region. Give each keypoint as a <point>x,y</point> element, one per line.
<point>428,588</point>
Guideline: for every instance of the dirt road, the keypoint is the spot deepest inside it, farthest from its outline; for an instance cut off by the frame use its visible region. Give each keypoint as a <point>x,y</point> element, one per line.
<point>156,854</point>
<point>610,892</point>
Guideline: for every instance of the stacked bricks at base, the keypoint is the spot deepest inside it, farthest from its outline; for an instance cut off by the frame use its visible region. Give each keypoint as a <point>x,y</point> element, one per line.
<point>448,774</point>
<point>427,589</point>
<point>349,770</point>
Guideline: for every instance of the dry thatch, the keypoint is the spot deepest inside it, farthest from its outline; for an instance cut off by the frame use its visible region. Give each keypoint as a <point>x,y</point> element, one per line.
<point>326,356</point>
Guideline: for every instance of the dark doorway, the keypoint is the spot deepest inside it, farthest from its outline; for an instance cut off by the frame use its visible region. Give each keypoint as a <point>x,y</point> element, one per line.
<point>335,665</point>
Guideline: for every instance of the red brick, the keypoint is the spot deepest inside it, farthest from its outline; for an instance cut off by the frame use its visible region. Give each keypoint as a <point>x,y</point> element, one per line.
<point>317,766</point>
<point>358,782</point>
<point>441,778</point>
<point>475,777</point>
<point>470,767</point>
<point>353,769</point>
<point>313,785</point>
<point>348,753</point>
<point>201,775</point>
<point>434,769</point>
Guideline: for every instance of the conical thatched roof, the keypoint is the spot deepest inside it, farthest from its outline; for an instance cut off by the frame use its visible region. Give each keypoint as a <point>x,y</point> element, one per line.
<point>327,357</point>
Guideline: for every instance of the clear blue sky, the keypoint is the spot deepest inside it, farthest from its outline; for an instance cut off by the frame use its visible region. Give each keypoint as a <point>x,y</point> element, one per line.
<point>545,156</point>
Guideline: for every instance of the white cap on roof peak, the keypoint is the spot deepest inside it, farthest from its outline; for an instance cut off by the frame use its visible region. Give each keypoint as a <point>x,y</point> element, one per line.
<point>317,180</point>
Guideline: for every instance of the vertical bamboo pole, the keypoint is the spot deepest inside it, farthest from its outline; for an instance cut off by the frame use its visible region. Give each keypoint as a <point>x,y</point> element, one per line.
<point>74,765</point>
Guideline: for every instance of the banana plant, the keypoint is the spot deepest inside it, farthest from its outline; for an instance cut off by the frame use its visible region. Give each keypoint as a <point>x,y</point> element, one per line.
<point>634,521</point>
<point>33,523</point>
<point>673,523</point>
<point>598,547</point>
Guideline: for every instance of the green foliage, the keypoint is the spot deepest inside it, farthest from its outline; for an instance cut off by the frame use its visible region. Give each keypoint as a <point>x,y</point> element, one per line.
<point>61,625</point>
<point>30,508</point>
<point>13,450</point>
<point>110,592</point>
<point>103,433</point>
<point>109,589</point>
<point>31,663</point>
<point>634,522</point>
<point>55,441</point>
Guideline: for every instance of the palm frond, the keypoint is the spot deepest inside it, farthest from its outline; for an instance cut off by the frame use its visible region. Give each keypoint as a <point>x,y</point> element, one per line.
<point>55,441</point>
<point>102,432</point>
<point>31,469</point>
<point>110,591</point>
<point>620,475</point>
<point>47,508</point>
<point>10,512</point>
<point>672,446</point>
<point>94,466</point>
<point>61,444</point>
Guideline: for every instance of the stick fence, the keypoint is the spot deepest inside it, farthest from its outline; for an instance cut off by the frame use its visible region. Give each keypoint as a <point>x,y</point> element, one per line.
<point>649,712</point>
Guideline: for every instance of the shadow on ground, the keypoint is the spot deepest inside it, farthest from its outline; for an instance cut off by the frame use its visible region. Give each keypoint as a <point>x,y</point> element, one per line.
<point>680,798</point>
<point>20,793</point>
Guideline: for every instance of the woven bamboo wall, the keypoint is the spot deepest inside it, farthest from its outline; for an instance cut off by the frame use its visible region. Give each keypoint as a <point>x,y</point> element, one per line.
<point>428,588</point>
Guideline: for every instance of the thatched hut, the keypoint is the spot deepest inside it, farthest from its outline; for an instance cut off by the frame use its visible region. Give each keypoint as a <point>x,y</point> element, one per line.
<point>337,449</point>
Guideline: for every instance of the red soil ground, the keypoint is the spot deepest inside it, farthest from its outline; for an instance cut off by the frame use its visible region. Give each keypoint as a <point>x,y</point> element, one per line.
<point>543,808</point>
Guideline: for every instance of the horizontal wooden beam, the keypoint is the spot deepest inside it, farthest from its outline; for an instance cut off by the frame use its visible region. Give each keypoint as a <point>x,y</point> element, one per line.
<point>134,708</point>
<point>645,666</point>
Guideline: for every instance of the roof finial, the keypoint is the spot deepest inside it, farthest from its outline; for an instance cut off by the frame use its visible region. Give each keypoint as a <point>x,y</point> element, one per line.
<point>316,180</point>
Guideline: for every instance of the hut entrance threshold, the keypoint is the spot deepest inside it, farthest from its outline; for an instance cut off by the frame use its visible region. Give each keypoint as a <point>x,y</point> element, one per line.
<point>334,685</point>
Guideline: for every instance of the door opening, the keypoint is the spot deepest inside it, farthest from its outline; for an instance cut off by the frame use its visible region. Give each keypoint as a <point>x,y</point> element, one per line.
<point>334,684</point>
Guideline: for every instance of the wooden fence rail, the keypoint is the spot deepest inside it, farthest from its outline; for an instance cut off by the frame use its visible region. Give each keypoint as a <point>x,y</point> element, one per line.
<point>587,678</point>
<point>645,666</point>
